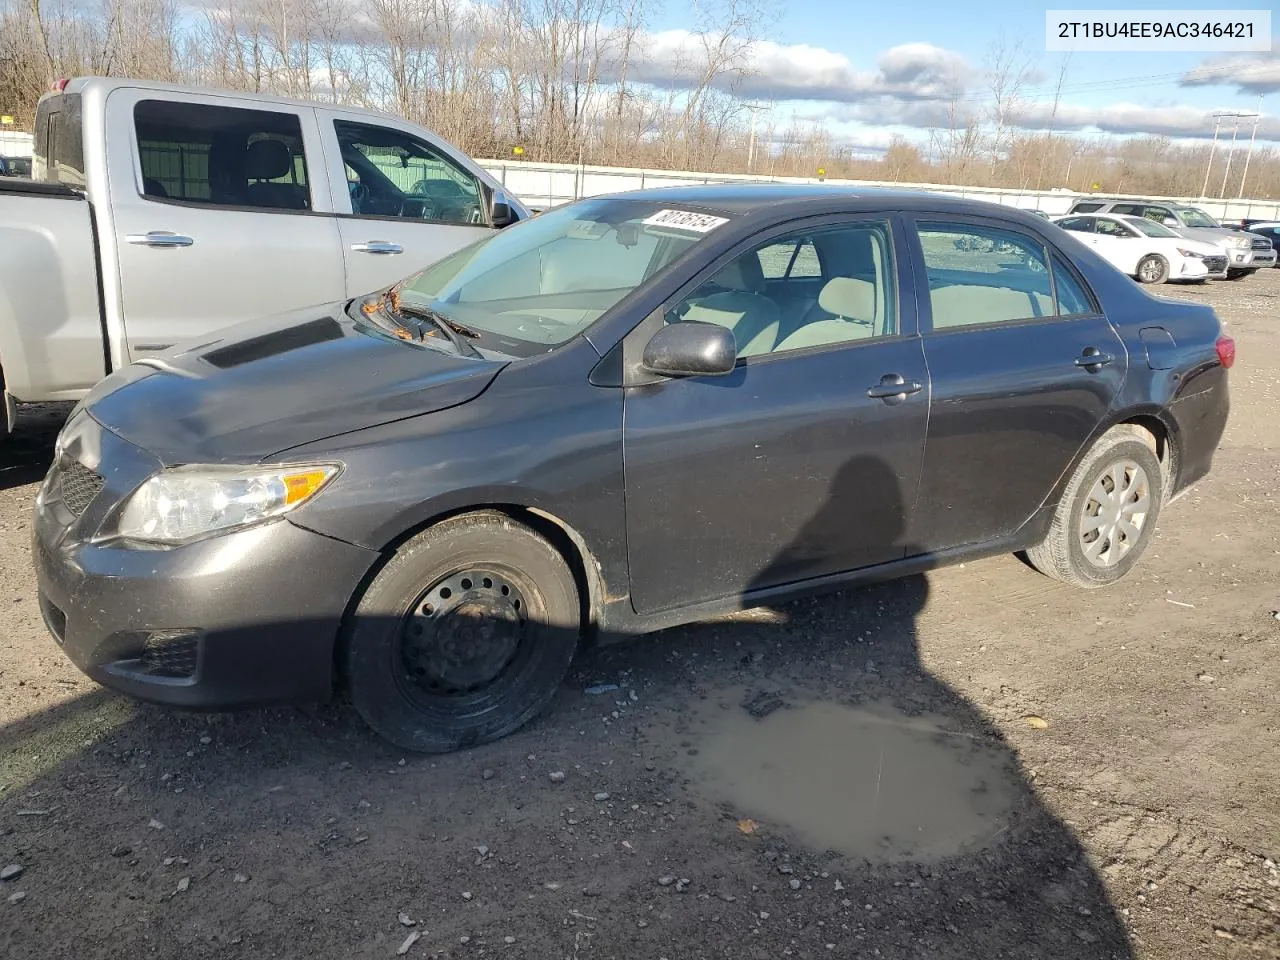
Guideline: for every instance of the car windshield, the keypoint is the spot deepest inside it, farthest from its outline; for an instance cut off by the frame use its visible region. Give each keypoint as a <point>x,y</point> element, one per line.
<point>1193,217</point>
<point>1150,227</point>
<point>532,287</point>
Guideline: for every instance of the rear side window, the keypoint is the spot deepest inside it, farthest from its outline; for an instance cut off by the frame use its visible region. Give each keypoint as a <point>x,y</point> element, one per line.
<point>59,143</point>
<point>1078,224</point>
<point>980,274</point>
<point>1072,298</point>
<point>1086,206</point>
<point>221,156</point>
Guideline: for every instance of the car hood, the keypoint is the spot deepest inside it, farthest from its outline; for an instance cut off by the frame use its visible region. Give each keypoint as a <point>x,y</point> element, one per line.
<point>261,387</point>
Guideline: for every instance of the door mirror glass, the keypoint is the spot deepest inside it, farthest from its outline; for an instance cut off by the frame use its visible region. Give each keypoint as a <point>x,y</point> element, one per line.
<point>691,349</point>
<point>501,212</point>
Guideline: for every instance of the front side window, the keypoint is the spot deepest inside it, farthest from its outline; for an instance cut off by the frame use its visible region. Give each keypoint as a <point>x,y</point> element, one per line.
<point>980,274</point>
<point>221,156</point>
<point>533,286</point>
<point>854,299</point>
<point>394,174</point>
<point>1109,228</point>
<point>1150,227</point>
<point>1195,217</point>
<point>1077,224</point>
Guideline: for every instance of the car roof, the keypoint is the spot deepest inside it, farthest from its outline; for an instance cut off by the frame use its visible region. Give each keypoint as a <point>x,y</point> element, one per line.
<point>737,199</point>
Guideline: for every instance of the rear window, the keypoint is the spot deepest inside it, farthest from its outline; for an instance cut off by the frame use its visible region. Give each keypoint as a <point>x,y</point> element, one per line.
<point>221,156</point>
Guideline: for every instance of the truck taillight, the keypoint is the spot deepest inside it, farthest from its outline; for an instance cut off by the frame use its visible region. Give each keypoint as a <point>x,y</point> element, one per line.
<point>59,85</point>
<point>1226,348</point>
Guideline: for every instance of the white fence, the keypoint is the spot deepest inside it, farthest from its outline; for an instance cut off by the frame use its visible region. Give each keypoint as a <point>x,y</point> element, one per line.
<point>542,185</point>
<point>14,144</point>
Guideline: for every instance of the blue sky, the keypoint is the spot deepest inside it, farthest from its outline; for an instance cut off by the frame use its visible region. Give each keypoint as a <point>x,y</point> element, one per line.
<point>911,45</point>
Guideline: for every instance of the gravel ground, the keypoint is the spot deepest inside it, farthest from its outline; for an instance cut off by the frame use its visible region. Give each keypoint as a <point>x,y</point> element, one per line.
<point>977,763</point>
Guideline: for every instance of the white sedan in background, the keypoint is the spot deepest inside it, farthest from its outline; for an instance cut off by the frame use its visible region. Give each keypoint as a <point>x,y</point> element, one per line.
<point>1145,250</point>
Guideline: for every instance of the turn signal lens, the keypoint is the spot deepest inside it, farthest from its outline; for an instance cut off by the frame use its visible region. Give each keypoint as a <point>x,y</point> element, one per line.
<point>1226,348</point>
<point>299,486</point>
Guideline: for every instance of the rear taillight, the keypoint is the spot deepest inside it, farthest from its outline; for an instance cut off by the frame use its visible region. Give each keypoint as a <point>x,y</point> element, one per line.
<point>59,85</point>
<point>1226,348</point>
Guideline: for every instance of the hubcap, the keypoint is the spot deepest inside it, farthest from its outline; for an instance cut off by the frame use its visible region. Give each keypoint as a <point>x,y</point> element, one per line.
<point>1115,513</point>
<point>462,633</point>
<point>1150,270</point>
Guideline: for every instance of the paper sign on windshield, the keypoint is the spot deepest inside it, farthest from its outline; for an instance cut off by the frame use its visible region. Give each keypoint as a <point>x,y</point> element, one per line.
<point>685,220</point>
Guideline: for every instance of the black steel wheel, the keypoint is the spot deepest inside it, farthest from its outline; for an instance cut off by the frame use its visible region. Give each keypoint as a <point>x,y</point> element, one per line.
<point>464,636</point>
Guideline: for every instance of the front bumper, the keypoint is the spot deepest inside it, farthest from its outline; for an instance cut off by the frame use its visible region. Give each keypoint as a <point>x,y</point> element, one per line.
<point>249,617</point>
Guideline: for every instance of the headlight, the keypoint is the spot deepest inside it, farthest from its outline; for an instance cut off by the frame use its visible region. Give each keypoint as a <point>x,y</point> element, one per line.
<point>186,503</point>
<point>1242,243</point>
<point>1191,253</point>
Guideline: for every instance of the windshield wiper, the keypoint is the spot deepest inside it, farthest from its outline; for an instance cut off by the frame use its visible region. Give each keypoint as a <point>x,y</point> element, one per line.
<point>455,332</point>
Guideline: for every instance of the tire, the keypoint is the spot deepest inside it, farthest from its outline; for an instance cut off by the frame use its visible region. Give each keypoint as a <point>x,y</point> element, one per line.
<point>1152,268</point>
<point>1062,554</point>
<point>1238,274</point>
<point>464,636</point>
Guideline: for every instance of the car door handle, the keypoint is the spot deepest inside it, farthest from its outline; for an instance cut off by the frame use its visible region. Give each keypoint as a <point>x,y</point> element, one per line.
<point>893,386</point>
<point>1092,359</point>
<point>159,238</point>
<point>377,246</point>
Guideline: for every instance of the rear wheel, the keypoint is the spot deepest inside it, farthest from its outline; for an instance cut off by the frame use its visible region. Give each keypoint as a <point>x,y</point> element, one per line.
<point>1153,268</point>
<point>1107,514</point>
<point>464,636</point>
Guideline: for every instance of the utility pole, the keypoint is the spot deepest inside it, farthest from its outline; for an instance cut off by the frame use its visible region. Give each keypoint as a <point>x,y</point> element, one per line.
<point>1235,128</point>
<point>1257,118</point>
<point>1217,123</point>
<point>755,108</point>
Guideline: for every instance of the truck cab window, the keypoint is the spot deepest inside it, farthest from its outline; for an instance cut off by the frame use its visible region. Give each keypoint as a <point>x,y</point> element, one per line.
<point>394,174</point>
<point>221,156</point>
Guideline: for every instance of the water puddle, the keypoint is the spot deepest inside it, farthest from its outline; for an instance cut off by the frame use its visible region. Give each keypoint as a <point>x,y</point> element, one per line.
<point>866,782</point>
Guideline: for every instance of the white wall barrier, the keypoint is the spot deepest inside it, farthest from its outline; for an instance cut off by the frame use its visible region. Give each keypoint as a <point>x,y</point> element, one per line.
<point>14,143</point>
<point>543,185</point>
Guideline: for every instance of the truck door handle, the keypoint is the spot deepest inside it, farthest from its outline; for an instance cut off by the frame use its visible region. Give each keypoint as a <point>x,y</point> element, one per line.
<point>893,386</point>
<point>377,246</point>
<point>1093,359</point>
<point>159,238</point>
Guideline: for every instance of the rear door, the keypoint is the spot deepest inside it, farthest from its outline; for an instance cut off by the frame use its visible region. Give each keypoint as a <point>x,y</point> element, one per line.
<point>404,200</point>
<point>1023,365</point>
<point>1120,244</point>
<point>220,212</point>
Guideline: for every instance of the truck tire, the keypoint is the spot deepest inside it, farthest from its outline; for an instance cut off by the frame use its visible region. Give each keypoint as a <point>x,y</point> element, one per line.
<point>1107,514</point>
<point>464,636</point>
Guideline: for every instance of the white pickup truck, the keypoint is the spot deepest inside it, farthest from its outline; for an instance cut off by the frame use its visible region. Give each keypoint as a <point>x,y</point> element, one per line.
<point>159,213</point>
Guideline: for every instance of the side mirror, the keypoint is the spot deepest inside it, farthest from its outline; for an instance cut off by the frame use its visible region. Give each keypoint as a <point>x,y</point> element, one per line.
<point>501,213</point>
<point>691,349</point>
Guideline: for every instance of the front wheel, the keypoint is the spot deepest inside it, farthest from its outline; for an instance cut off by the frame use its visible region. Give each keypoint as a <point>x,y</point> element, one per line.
<point>464,635</point>
<point>1107,514</point>
<point>1153,269</point>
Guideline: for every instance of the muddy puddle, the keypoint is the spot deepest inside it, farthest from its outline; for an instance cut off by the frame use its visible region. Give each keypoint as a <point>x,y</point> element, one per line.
<point>866,782</point>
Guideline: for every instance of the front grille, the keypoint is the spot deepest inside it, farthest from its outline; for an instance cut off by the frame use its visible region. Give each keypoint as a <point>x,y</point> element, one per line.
<point>78,485</point>
<point>171,653</point>
<point>1261,243</point>
<point>1215,264</point>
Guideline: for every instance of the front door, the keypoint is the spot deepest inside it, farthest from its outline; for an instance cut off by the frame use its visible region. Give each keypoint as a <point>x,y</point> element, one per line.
<point>1024,368</point>
<point>804,461</point>
<point>219,214</point>
<point>410,202</point>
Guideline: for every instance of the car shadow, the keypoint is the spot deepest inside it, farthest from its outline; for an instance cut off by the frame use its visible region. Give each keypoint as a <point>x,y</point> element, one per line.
<point>784,782</point>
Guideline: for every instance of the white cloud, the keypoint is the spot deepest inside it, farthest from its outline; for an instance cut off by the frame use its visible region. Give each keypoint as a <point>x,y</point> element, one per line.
<point>1256,73</point>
